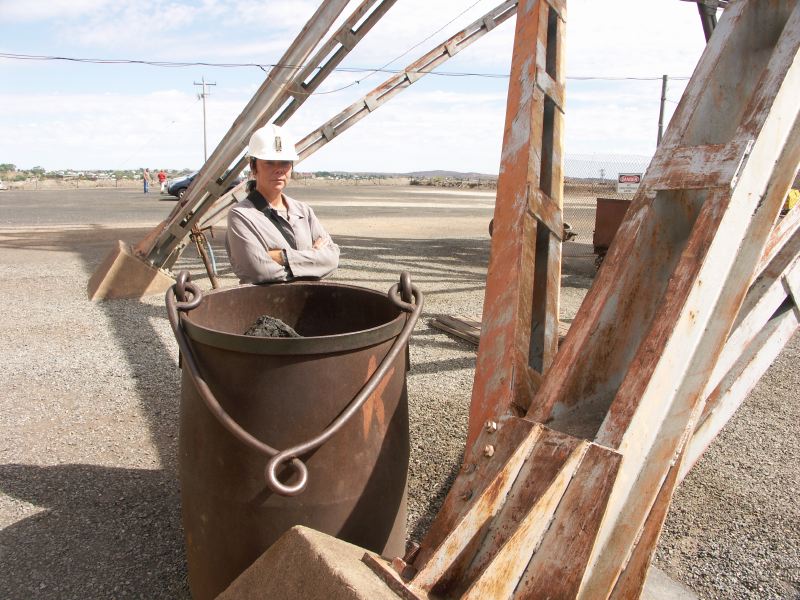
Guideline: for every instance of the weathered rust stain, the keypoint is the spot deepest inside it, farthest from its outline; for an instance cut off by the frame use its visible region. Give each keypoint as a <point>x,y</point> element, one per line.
<point>577,521</point>
<point>512,312</point>
<point>510,435</point>
<point>374,410</point>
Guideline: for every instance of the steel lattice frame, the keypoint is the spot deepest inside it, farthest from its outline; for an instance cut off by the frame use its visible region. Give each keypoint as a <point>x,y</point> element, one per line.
<point>574,453</point>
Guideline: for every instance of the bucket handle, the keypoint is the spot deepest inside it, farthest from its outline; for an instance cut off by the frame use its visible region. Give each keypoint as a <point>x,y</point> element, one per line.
<point>400,295</point>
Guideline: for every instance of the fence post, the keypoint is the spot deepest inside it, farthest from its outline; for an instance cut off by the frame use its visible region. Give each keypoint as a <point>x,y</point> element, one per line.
<point>661,109</point>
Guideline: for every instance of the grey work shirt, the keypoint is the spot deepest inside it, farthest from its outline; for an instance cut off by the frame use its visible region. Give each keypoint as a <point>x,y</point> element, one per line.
<point>251,235</point>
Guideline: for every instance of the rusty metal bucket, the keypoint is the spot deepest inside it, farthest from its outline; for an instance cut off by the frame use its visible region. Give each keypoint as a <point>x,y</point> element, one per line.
<point>335,401</point>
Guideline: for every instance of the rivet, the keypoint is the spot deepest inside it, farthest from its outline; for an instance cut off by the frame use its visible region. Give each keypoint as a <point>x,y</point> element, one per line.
<point>466,495</point>
<point>488,451</point>
<point>491,426</point>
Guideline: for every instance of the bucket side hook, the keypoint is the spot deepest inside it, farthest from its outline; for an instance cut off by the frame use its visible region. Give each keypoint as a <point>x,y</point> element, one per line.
<point>176,301</point>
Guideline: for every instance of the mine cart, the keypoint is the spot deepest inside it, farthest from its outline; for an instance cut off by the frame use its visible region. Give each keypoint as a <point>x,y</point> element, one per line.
<point>607,218</point>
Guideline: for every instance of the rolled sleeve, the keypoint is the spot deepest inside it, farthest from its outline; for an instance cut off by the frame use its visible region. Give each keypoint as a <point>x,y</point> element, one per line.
<point>310,262</point>
<point>314,263</point>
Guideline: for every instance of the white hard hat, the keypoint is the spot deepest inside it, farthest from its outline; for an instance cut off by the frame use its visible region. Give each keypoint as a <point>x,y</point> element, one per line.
<point>272,143</point>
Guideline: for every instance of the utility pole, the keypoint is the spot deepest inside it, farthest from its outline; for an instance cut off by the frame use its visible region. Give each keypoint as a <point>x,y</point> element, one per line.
<point>203,95</point>
<point>661,109</point>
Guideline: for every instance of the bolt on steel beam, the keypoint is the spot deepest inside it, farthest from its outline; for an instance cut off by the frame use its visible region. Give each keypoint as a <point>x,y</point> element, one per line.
<point>632,379</point>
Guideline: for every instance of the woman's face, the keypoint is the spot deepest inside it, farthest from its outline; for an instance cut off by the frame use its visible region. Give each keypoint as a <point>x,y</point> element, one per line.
<point>272,175</point>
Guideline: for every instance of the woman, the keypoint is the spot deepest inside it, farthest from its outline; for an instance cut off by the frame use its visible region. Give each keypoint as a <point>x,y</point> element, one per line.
<point>272,237</point>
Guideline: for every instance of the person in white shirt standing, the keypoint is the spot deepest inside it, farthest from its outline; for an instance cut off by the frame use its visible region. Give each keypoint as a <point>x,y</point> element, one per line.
<point>272,237</point>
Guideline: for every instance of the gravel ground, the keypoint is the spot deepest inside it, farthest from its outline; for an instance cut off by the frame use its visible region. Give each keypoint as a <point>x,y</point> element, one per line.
<point>89,499</point>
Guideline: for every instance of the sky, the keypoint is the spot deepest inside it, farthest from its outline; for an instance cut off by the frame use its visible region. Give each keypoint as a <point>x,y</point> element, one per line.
<point>61,114</point>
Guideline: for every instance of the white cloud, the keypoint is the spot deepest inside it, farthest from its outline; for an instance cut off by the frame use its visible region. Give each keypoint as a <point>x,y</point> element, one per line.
<point>633,38</point>
<point>440,122</point>
<point>20,12</point>
<point>419,131</point>
<point>101,130</point>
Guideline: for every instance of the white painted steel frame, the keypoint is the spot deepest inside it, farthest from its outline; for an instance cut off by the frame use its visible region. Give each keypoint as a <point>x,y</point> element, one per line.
<point>695,315</point>
<point>381,94</point>
<point>290,81</point>
<point>636,368</point>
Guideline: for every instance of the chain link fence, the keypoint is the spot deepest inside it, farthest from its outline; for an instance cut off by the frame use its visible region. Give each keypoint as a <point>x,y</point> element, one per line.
<point>587,178</point>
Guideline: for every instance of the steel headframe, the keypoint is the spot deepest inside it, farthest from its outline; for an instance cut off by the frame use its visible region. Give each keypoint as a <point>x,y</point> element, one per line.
<point>285,89</point>
<point>699,291</point>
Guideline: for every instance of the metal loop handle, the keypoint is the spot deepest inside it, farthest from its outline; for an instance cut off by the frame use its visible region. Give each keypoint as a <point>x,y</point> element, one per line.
<point>405,289</point>
<point>181,286</point>
<point>289,455</point>
<point>189,360</point>
<point>402,339</point>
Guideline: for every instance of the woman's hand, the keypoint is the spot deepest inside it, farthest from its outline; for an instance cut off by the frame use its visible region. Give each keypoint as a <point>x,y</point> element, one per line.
<point>277,256</point>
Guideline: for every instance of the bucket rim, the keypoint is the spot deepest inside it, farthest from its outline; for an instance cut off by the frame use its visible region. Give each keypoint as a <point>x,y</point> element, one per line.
<point>322,344</point>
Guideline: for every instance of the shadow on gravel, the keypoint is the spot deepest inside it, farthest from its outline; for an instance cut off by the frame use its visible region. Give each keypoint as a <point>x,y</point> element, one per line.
<point>116,532</point>
<point>451,261</point>
<point>103,533</point>
<point>439,266</point>
<point>434,503</point>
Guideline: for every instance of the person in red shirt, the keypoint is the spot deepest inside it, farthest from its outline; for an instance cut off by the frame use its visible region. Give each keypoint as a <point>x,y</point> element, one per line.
<point>162,179</point>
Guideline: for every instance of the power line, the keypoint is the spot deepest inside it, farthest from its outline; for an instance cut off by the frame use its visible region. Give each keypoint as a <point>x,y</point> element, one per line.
<point>370,70</point>
<point>382,69</point>
<point>399,56</point>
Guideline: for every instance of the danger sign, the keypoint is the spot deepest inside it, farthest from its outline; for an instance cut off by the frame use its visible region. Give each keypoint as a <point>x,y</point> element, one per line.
<point>628,183</point>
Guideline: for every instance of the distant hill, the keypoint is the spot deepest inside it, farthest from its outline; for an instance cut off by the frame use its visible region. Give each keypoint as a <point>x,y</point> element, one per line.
<point>413,175</point>
<point>450,175</point>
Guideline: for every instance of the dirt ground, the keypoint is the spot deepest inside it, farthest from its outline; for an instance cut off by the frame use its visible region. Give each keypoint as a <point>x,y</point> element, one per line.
<point>89,497</point>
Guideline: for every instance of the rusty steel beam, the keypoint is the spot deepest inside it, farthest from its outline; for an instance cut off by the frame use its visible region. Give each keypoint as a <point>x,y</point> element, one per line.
<point>757,357</point>
<point>286,87</point>
<point>527,515</point>
<point>684,258</point>
<point>770,316</point>
<point>763,299</point>
<point>631,580</point>
<point>708,14</point>
<point>518,479</point>
<point>784,230</point>
<point>380,95</point>
<point>519,334</point>
<point>399,82</point>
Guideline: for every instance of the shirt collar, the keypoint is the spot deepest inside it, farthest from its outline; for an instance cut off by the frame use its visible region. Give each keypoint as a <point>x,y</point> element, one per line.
<point>258,200</point>
<point>261,203</point>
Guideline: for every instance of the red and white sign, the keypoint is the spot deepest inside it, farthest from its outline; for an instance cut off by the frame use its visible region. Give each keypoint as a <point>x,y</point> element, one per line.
<point>628,183</point>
